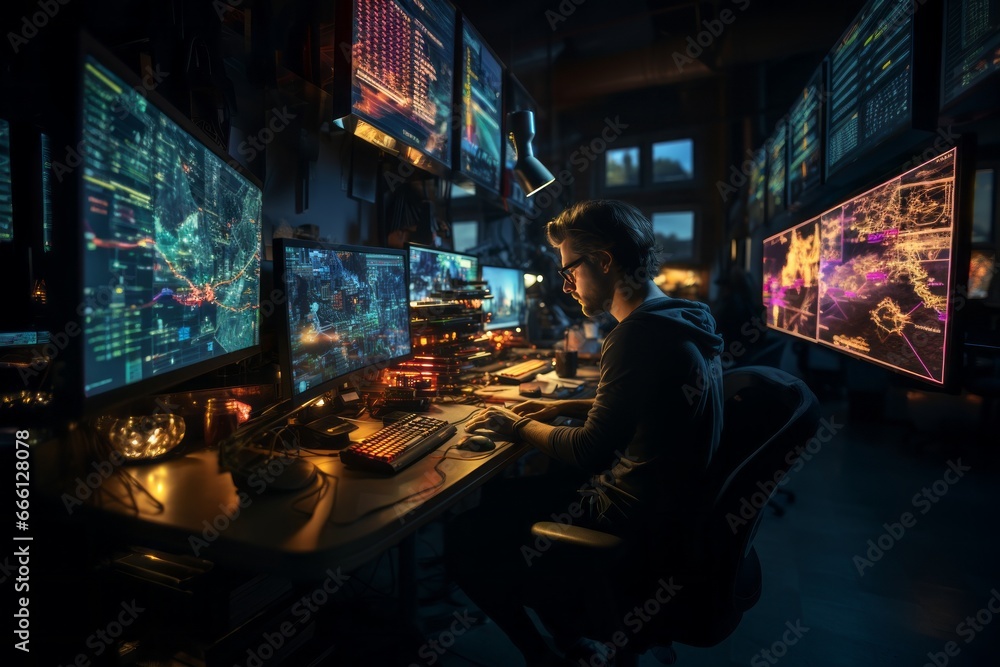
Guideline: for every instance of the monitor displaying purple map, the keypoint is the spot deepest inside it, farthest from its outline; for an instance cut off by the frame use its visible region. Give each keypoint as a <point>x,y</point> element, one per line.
<point>791,280</point>
<point>881,275</point>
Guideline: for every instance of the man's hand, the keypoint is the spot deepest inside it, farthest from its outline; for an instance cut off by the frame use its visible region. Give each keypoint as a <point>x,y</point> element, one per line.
<point>496,419</point>
<point>543,411</point>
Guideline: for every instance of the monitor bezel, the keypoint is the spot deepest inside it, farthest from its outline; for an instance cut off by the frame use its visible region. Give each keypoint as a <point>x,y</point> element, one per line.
<point>284,325</point>
<point>459,175</point>
<point>346,117</point>
<point>91,405</point>
<point>489,326</point>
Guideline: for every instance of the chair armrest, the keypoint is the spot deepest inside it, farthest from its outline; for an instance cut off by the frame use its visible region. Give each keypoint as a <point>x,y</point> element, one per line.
<point>576,535</point>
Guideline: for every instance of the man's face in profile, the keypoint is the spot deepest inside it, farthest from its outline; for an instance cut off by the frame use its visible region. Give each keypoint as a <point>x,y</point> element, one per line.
<point>583,281</point>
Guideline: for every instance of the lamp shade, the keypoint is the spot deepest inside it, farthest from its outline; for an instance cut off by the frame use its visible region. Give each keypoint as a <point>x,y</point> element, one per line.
<point>530,172</point>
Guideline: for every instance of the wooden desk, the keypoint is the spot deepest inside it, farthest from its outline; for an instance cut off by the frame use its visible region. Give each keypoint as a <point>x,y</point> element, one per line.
<point>343,519</point>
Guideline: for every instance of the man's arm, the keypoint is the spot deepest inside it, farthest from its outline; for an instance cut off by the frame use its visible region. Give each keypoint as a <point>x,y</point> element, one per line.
<point>546,411</point>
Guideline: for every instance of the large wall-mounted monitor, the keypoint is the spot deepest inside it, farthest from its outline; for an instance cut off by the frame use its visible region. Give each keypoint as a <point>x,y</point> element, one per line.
<point>400,88</point>
<point>508,308</point>
<point>346,314</point>
<point>433,270</point>
<point>882,273</point>
<point>971,55</point>
<point>805,142</point>
<point>6,185</point>
<point>170,242</point>
<point>480,144</point>
<point>871,82</point>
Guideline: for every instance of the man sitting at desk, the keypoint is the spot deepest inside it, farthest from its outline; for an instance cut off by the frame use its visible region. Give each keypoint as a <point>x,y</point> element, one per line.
<point>649,436</point>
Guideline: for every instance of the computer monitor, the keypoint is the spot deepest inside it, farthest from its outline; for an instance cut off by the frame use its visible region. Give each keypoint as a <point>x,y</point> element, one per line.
<point>465,234</point>
<point>401,76</point>
<point>777,171</point>
<point>970,54</point>
<point>433,270</point>
<point>757,191</point>
<point>480,145</point>
<point>6,185</point>
<point>170,242</point>
<point>982,267</point>
<point>508,307</point>
<point>345,314</point>
<point>883,272</point>
<point>805,143</point>
<point>871,82</point>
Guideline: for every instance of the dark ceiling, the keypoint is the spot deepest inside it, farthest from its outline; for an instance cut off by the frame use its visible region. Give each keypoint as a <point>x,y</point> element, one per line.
<point>570,52</point>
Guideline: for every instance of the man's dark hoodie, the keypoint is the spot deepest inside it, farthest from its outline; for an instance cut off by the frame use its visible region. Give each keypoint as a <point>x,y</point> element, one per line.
<point>657,415</point>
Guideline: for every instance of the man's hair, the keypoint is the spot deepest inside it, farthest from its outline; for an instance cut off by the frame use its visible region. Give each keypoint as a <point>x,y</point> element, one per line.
<point>611,225</point>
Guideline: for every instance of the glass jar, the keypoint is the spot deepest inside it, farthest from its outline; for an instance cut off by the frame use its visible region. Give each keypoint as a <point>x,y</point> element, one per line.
<point>222,417</point>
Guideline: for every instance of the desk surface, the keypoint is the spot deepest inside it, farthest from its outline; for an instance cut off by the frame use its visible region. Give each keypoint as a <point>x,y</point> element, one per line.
<point>343,519</point>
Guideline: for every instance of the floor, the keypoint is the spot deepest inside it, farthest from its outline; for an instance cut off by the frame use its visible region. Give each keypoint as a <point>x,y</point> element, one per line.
<point>856,588</point>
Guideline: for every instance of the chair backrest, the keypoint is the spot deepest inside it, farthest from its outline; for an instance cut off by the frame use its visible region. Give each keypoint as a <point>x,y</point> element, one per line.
<point>768,414</point>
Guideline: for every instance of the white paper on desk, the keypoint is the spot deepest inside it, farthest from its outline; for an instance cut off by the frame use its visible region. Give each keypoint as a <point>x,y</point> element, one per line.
<point>553,379</point>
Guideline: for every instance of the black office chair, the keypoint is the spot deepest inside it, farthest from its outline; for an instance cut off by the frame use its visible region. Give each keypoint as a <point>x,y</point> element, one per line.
<point>767,414</point>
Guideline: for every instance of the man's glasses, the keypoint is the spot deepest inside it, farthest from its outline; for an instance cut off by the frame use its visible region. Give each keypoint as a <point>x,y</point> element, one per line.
<point>565,273</point>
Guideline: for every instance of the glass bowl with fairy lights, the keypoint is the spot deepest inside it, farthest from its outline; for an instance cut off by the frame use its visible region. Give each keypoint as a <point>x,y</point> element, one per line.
<point>143,438</point>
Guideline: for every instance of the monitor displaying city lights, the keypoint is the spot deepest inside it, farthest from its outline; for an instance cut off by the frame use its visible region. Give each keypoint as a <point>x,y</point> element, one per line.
<point>508,307</point>
<point>346,313</point>
<point>433,271</point>
<point>171,242</point>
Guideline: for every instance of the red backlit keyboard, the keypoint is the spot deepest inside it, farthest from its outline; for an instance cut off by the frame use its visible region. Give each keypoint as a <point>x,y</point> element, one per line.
<point>397,445</point>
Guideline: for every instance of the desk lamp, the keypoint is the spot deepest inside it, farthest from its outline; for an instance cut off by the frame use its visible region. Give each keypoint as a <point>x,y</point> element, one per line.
<point>530,172</point>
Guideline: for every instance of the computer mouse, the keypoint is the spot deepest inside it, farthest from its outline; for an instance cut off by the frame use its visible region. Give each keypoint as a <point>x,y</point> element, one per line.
<point>476,443</point>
